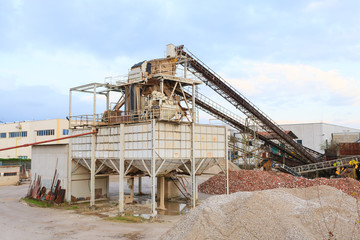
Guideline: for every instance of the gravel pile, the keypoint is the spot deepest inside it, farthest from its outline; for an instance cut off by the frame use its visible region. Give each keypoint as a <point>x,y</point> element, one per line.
<point>255,180</point>
<point>319,212</point>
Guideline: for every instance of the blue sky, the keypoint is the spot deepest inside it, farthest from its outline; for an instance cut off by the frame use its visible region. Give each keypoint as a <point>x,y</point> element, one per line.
<point>298,61</point>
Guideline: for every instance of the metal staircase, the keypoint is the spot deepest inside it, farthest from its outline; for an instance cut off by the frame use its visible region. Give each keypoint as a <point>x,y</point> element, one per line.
<point>224,89</point>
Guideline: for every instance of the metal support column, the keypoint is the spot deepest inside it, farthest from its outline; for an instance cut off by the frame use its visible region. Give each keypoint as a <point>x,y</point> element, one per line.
<point>107,101</point>
<point>132,193</point>
<point>153,177</point>
<point>93,148</point>
<point>140,183</point>
<point>108,187</point>
<point>196,188</point>
<point>162,86</point>
<point>121,169</point>
<point>69,160</point>
<point>193,166</point>
<point>162,193</point>
<point>227,161</point>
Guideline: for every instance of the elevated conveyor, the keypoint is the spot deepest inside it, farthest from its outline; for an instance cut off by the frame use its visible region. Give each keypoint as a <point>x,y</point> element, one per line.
<point>221,113</point>
<point>318,156</point>
<point>287,169</point>
<point>332,164</point>
<point>224,89</point>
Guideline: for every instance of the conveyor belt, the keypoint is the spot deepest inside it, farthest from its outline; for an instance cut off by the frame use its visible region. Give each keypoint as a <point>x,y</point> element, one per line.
<point>219,112</point>
<point>316,154</point>
<point>314,167</point>
<point>224,89</point>
<point>286,169</point>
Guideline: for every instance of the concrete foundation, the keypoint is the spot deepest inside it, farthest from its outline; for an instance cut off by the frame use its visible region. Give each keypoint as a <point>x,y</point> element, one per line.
<point>170,189</point>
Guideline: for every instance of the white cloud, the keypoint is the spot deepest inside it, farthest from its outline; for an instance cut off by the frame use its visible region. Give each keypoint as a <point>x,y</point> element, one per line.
<point>318,5</point>
<point>297,92</point>
<point>289,80</point>
<point>61,69</point>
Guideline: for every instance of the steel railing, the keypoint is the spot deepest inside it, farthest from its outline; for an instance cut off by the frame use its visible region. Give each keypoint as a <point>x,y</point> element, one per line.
<point>217,106</point>
<point>117,117</point>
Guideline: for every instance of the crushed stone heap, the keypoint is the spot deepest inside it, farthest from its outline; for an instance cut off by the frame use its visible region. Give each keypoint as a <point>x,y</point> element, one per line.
<point>318,212</point>
<point>254,180</point>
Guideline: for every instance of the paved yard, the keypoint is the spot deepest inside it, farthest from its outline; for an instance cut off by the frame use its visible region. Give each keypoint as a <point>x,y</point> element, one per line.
<point>20,221</point>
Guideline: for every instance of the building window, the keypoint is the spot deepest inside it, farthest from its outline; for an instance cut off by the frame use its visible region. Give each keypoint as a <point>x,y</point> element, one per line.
<point>299,141</point>
<point>45,132</point>
<point>2,135</point>
<point>17,134</point>
<point>65,131</point>
<point>10,174</point>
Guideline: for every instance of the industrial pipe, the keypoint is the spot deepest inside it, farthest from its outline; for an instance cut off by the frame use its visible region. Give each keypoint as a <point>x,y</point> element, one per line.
<point>52,140</point>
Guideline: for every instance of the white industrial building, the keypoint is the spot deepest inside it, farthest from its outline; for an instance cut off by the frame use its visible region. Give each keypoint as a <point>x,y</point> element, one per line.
<point>26,132</point>
<point>316,135</point>
<point>347,137</point>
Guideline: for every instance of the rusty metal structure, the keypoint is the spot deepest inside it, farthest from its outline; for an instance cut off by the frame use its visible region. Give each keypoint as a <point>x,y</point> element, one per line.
<point>348,149</point>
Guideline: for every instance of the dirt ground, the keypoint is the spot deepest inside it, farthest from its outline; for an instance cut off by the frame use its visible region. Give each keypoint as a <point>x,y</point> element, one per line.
<point>20,221</point>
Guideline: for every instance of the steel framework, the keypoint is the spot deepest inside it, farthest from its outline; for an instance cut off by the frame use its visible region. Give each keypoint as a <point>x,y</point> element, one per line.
<point>224,89</point>
<point>119,164</point>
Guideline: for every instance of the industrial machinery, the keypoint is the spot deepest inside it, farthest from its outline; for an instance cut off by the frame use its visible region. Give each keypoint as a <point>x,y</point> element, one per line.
<point>154,89</point>
<point>152,128</point>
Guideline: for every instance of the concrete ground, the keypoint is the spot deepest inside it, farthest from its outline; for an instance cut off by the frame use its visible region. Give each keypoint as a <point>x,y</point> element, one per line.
<point>20,221</point>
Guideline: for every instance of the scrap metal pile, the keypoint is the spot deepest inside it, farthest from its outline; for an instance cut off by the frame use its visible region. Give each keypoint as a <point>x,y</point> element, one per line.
<point>37,191</point>
<point>255,180</point>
